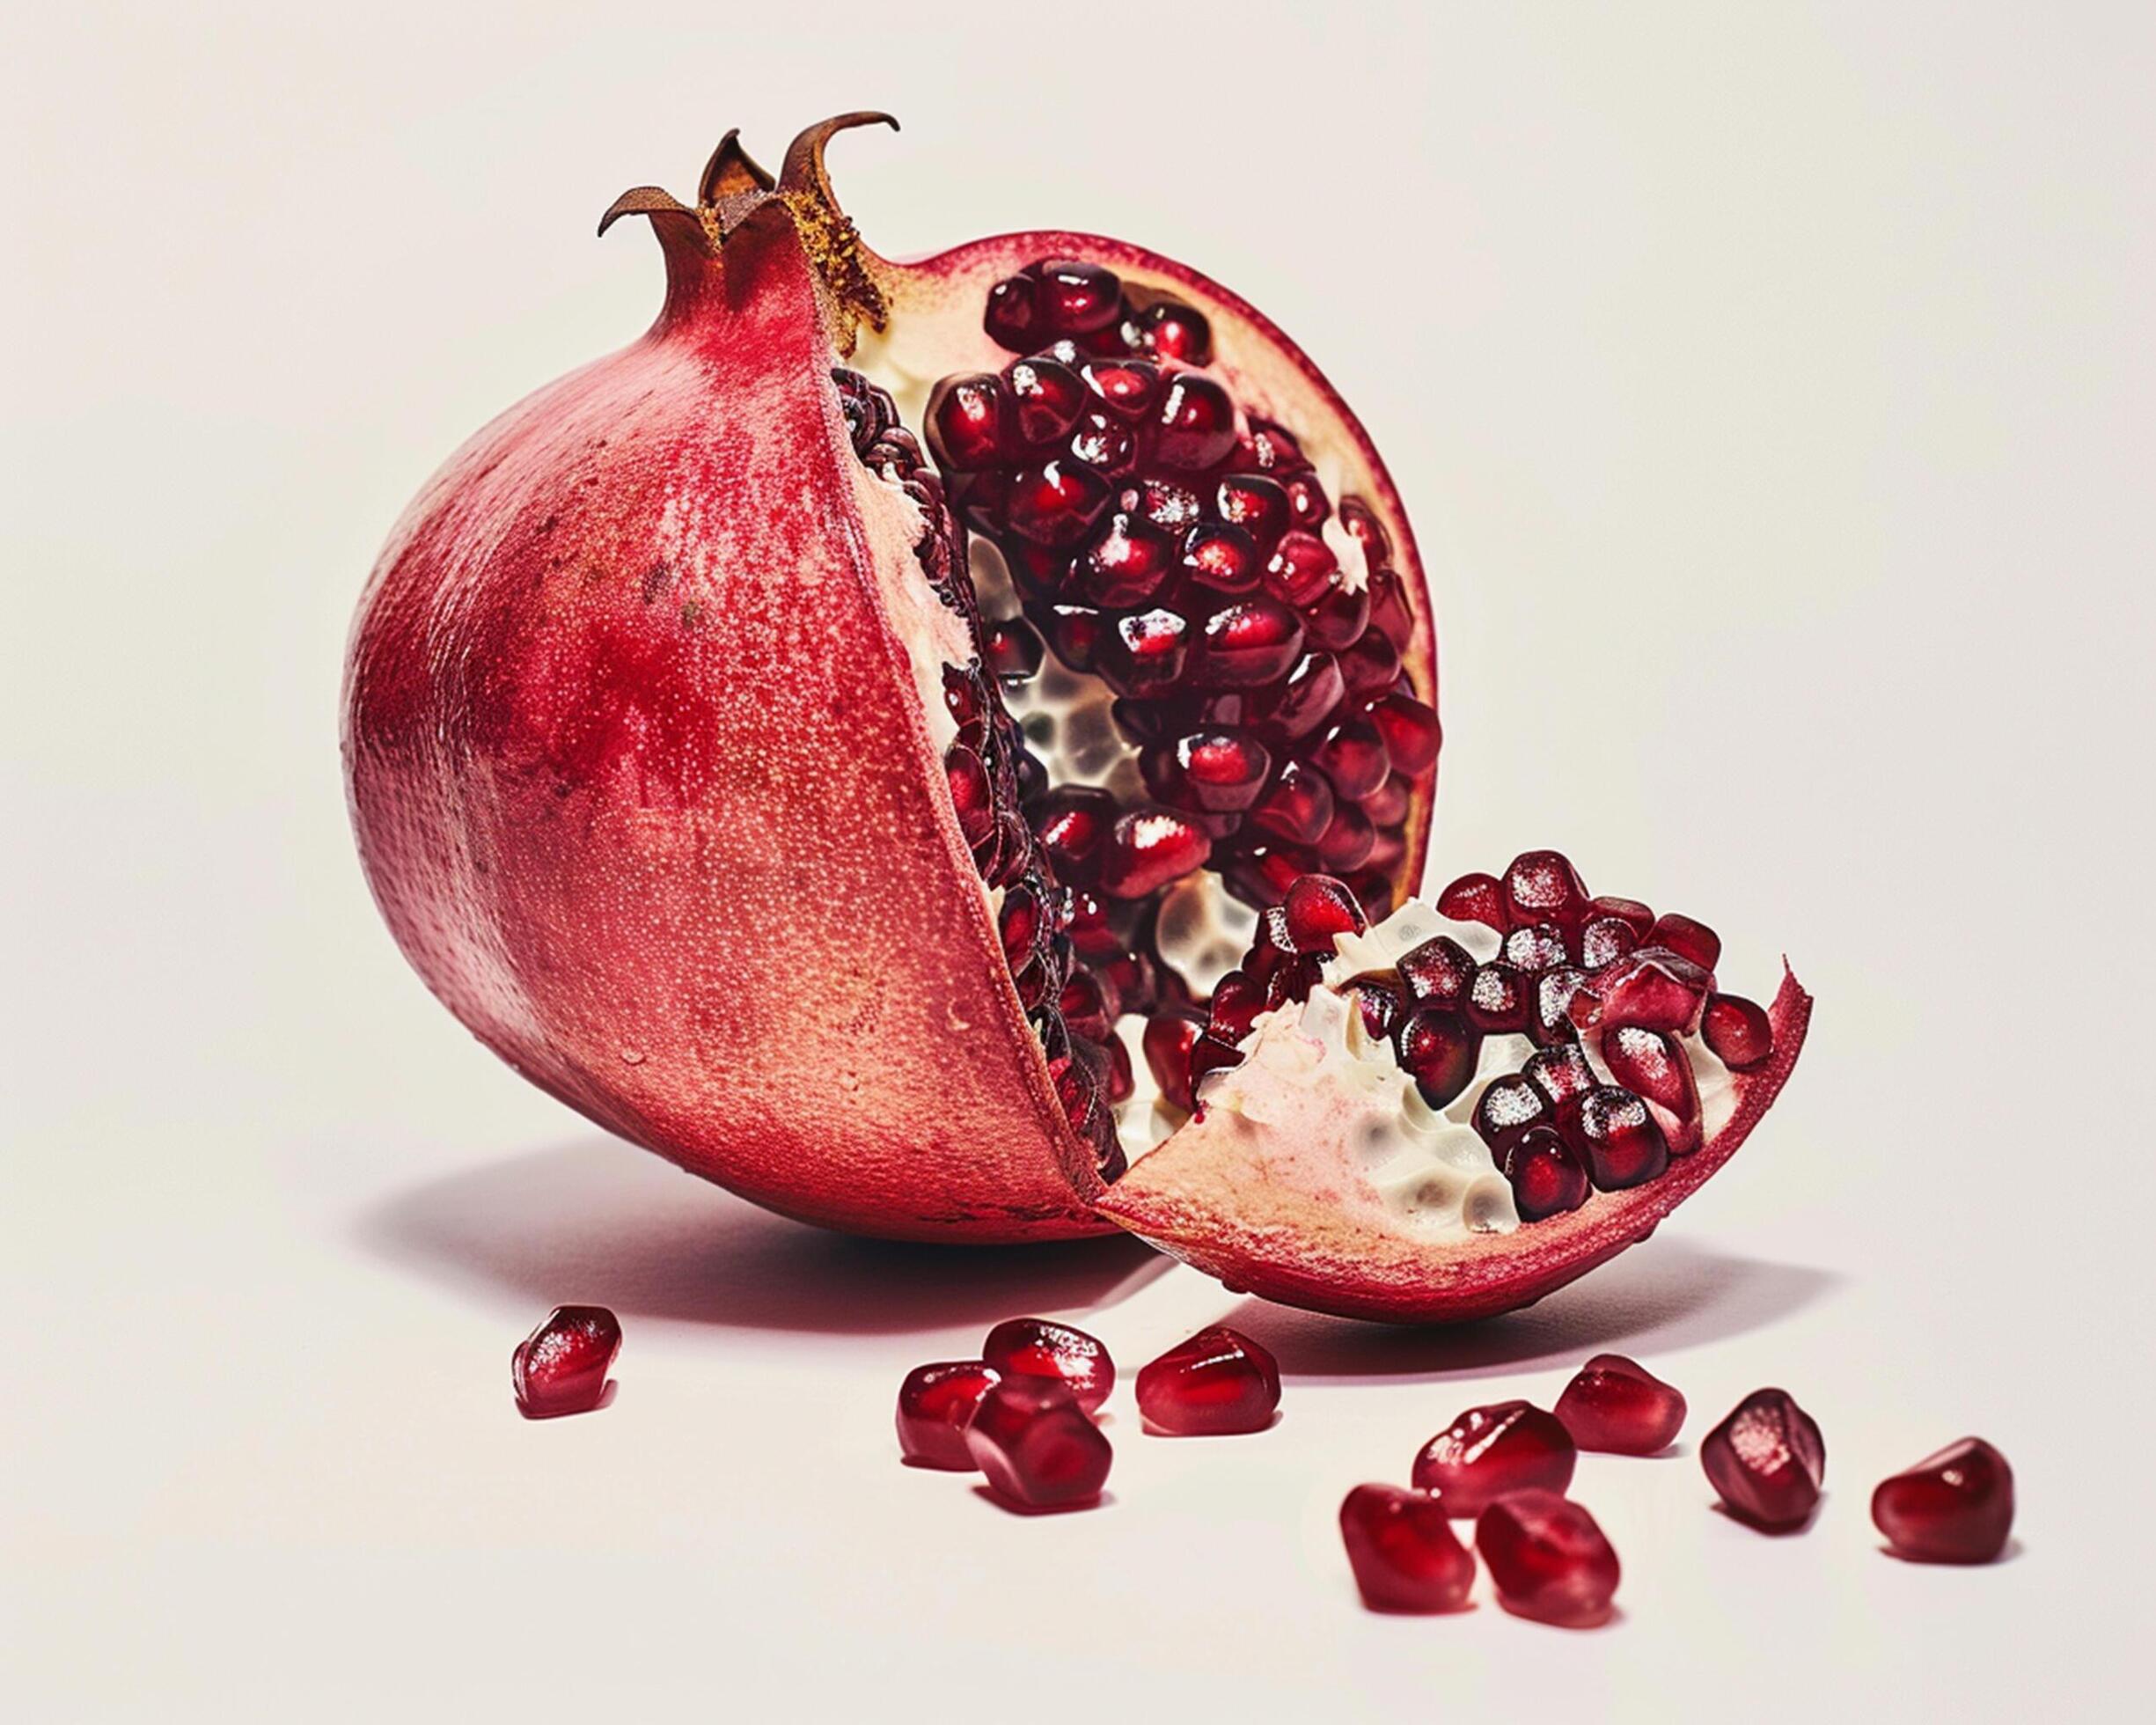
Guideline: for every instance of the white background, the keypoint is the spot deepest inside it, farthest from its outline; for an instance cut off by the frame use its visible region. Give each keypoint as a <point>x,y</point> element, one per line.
<point>1772,388</point>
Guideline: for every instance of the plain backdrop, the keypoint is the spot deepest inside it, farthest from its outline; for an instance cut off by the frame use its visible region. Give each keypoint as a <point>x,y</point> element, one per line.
<point>1771,386</point>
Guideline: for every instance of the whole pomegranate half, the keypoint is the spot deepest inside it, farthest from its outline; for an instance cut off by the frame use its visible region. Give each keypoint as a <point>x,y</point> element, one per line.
<point>851,741</point>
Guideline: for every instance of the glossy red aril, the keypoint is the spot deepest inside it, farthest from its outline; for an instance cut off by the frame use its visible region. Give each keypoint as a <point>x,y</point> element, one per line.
<point>1767,1461</point>
<point>935,1405</point>
<point>1548,1558</point>
<point>1403,1551</point>
<point>1034,1348</point>
<point>1954,1507</point>
<point>562,1367</point>
<point>1488,1451</point>
<point>1036,1444</point>
<point>1738,1032</point>
<point>1616,1404</point>
<point>1217,1382</point>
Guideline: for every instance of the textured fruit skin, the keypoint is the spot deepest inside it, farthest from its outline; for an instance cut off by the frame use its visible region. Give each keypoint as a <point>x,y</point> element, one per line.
<point>1217,1384</point>
<point>1405,1556</point>
<point>1035,1444</point>
<point>1489,1452</point>
<point>935,1404</point>
<point>610,807</point>
<point>1209,1199</point>
<point>1617,1405</point>
<point>1548,1558</point>
<point>561,1368</point>
<point>1954,1507</point>
<point>1036,1347</point>
<point>1767,1460</point>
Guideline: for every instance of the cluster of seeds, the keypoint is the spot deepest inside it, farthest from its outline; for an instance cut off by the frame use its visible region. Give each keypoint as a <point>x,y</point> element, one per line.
<point>1602,989</point>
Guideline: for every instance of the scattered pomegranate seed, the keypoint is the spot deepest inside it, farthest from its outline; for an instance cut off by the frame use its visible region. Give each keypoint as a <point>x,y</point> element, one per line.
<point>1617,1405</point>
<point>1767,1460</point>
<point>1034,1348</point>
<point>1034,1441</point>
<point>1548,1558</point>
<point>1403,1551</point>
<point>935,1403</point>
<point>1218,1383</point>
<point>1488,1451</point>
<point>1737,1030</point>
<point>1954,1507</point>
<point>561,1368</point>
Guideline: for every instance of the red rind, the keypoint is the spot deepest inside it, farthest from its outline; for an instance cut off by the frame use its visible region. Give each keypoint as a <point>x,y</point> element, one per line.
<point>1205,1198</point>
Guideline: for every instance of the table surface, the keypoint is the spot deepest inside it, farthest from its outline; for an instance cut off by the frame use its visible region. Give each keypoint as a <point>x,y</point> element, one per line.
<point>1772,396</point>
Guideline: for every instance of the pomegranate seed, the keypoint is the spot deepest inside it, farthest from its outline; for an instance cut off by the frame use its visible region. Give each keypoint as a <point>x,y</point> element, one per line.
<point>970,794</point>
<point>1121,1084</point>
<point>1195,424</point>
<point>1236,1002</point>
<point>1647,1063</point>
<point>1439,1052</point>
<point>1619,1137</point>
<point>1383,1002</point>
<point>1546,1175</point>
<point>1653,988</point>
<point>1256,504</point>
<point>1548,1558</point>
<point>561,1368</point>
<point>1087,1010</point>
<point>1103,442</point>
<point>1339,619</point>
<point>1149,848</point>
<point>1439,972</point>
<point>1013,649</point>
<point>1509,1446</point>
<point>1245,643</point>
<point>1211,1053</point>
<point>1389,609</point>
<point>1297,807</point>
<point>1172,332</point>
<point>1043,401</point>
<point>1497,999</point>
<point>935,1405</point>
<point>1604,940</point>
<point>965,422</point>
<point>1561,1073</point>
<point>1222,557</point>
<point>1273,450</point>
<point>1363,527</point>
<point>1370,665</point>
<point>1167,505</point>
<point>1014,311</point>
<point>1633,915</point>
<point>1036,1347</point>
<point>1313,689</point>
<point>1214,770</point>
<point>1475,899</point>
<point>1535,947</point>
<point>1317,908</point>
<point>1348,840</point>
<point>1353,756</point>
<point>1073,823</point>
<point>1542,886</point>
<point>1301,569</point>
<point>1687,939</point>
<point>1411,730</point>
<point>1145,652</point>
<point>1126,561</point>
<point>1766,1460</point>
<point>1127,386</point>
<point>1737,1030</point>
<point>1033,1441</point>
<point>1216,1384</point>
<point>1617,1405</point>
<point>1307,499</point>
<point>1169,1036</point>
<point>1054,504</point>
<point>1403,1551</point>
<point>1077,298</point>
<point>1954,1507</point>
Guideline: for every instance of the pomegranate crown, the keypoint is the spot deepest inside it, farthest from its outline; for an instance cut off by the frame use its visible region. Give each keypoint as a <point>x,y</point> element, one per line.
<point>736,195</point>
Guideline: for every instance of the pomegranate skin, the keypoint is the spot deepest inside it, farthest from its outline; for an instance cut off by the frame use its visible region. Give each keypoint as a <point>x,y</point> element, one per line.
<point>1954,1507</point>
<point>640,767</point>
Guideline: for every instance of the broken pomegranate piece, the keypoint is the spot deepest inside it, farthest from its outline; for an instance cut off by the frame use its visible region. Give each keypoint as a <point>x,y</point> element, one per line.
<point>561,1368</point>
<point>1954,1507</point>
<point>1035,1444</point>
<point>1617,1405</point>
<point>1405,1556</point>
<point>1548,1558</point>
<point>1767,1461</point>
<point>1509,1446</point>
<point>1218,1383</point>
<point>935,1405</point>
<point>1034,1348</point>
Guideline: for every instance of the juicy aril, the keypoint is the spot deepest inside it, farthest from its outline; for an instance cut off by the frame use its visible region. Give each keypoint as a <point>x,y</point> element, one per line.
<point>843,740</point>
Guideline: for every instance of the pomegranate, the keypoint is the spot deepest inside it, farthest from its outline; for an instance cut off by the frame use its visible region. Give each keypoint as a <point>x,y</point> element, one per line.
<point>1767,1461</point>
<point>935,1405</point>
<point>842,740</point>
<point>1548,1558</point>
<point>1218,1383</point>
<point>1954,1507</point>
<point>1488,1451</point>
<point>1403,1551</point>
<point>562,1367</point>
<point>1034,1348</point>
<point>1036,1444</point>
<point>1618,1404</point>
